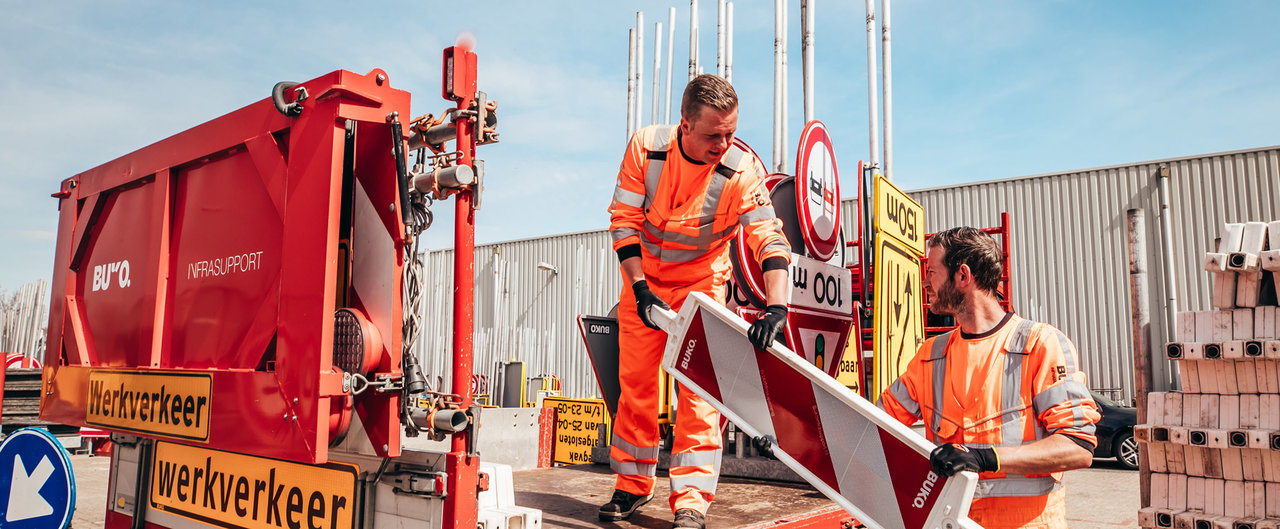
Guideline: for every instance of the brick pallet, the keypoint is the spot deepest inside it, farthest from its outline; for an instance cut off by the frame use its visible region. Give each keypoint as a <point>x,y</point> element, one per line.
<point>1213,447</point>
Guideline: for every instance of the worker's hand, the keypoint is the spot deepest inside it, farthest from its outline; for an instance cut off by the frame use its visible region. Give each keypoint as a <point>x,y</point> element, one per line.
<point>645,298</point>
<point>951,458</point>
<point>767,326</point>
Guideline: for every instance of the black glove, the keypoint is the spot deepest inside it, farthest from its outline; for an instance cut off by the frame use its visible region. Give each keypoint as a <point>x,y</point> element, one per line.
<point>645,298</point>
<point>951,458</point>
<point>767,326</point>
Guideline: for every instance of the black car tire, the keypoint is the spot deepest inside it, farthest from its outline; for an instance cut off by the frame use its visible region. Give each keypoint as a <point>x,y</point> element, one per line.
<point>1126,450</point>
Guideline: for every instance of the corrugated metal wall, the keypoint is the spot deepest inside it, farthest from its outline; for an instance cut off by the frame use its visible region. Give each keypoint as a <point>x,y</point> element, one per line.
<point>1070,264</point>
<point>24,314</point>
<point>1069,248</point>
<point>524,312</point>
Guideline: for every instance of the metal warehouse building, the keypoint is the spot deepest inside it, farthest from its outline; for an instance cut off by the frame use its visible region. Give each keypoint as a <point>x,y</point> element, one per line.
<point>1069,256</point>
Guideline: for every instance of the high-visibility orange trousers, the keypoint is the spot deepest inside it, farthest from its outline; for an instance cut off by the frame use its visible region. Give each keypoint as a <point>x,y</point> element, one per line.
<point>1034,512</point>
<point>695,452</point>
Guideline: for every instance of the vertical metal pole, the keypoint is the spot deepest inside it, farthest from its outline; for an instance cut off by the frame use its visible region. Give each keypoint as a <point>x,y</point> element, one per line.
<point>1166,233</point>
<point>631,84</point>
<point>888,93</point>
<point>777,85</point>
<point>657,70</point>
<point>1141,330</point>
<point>639,70</point>
<point>671,63</point>
<point>720,58</point>
<point>807,21</point>
<point>728,47</point>
<point>463,468</point>
<point>786,96</point>
<point>693,39</point>
<point>872,103</point>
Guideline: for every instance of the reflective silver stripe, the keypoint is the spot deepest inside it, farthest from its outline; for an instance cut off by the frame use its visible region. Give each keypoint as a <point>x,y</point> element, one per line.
<point>1069,356</point>
<point>1018,342</point>
<point>617,234</point>
<point>633,469</point>
<point>1011,405</point>
<point>903,396</point>
<point>661,139</point>
<point>668,255</point>
<point>1068,390</point>
<point>701,241</point>
<point>777,244</point>
<point>1016,485</point>
<point>938,355</point>
<point>653,173</point>
<point>630,198</point>
<point>1091,429</point>
<point>695,459</point>
<point>755,215</point>
<point>733,157</point>
<point>711,202</point>
<point>638,452</point>
<point>700,482</point>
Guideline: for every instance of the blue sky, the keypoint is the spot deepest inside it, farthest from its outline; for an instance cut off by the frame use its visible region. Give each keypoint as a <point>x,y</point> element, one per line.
<point>982,90</point>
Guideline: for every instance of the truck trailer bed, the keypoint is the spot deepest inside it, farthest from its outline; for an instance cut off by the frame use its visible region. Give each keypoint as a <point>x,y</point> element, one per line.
<point>571,496</point>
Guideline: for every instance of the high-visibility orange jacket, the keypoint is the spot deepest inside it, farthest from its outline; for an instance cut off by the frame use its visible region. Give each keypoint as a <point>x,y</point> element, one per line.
<point>1010,386</point>
<point>683,214</point>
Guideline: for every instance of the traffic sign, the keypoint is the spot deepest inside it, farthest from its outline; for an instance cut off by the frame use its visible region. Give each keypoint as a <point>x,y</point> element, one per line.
<point>581,424</point>
<point>899,216</point>
<point>37,486</point>
<point>899,319</point>
<point>818,192</point>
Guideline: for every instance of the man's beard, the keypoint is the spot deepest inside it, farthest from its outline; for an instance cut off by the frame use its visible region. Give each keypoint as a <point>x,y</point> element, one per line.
<point>948,300</point>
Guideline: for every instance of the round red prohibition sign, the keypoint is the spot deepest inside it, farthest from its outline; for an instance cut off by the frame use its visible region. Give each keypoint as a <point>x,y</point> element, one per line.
<point>818,192</point>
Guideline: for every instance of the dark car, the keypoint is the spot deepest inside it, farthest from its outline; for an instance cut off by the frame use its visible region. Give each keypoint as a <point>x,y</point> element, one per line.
<point>1115,431</point>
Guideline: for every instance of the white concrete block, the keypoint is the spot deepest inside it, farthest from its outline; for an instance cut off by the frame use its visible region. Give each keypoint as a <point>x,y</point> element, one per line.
<point>1189,376</point>
<point>1229,413</point>
<point>1269,411</point>
<point>1193,350</point>
<point>1273,500</point>
<point>1272,349</point>
<point>1233,504</point>
<point>1184,326</point>
<point>1242,324</point>
<point>1214,496</point>
<point>1177,434</point>
<point>1173,408</point>
<point>1232,464</point>
<point>1208,372</point>
<point>1160,491</point>
<point>1185,519</point>
<point>1155,453</point>
<point>1253,462</point>
<point>1246,376</point>
<point>1191,410</point>
<point>1177,493</point>
<point>1264,323</point>
<point>1155,408</point>
<point>1223,325</point>
<point>1255,499</point>
<point>1233,349</point>
<point>1226,378</point>
<point>1248,288</point>
<point>1195,493</point>
<point>1250,406</point>
<point>1195,464</point>
<point>1231,238</point>
<point>1176,457</point>
<point>1204,326</point>
<point>1147,517</point>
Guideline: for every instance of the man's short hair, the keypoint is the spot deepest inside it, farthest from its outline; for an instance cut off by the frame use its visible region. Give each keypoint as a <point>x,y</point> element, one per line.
<point>707,90</point>
<point>973,247</point>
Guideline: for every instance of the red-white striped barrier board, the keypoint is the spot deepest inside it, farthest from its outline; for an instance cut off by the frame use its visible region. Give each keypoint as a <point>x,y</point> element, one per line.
<point>859,456</point>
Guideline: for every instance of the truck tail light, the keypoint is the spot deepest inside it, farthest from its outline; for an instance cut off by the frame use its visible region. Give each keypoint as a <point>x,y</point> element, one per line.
<point>357,346</point>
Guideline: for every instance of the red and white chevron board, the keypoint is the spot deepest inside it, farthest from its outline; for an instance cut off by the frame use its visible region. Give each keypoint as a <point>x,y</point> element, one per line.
<point>855,453</point>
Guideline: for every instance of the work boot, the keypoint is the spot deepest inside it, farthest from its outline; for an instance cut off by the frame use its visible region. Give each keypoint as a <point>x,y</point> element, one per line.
<point>622,505</point>
<point>689,519</point>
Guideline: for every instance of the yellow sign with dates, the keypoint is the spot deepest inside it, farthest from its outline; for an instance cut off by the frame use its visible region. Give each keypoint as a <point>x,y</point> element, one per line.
<point>236,490</point>
<point>167,404</point>
<point>579,423</point>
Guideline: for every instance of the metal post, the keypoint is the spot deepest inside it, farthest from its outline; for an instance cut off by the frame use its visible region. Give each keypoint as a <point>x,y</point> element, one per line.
<point>671,63</point>
<point>728,47</point>
<point>720,55</point>
<point>807,21</point>
<point>631,84</point>
<point>786,96</point>
<point>657,69</point>
<point>1141,329</point>
<point>888,93</point>
<point>1166,233</point>
<point>872,102</point>
<point>639,70</point>
<point>777,85</point>
<point>463,468</point>
<point>693,39</point>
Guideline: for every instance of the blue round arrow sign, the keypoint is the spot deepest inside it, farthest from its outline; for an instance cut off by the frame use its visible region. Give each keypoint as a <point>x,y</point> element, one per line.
<point>37,486</point>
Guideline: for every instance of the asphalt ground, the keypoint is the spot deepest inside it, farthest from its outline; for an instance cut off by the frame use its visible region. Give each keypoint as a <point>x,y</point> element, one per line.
<point>1102,497</point>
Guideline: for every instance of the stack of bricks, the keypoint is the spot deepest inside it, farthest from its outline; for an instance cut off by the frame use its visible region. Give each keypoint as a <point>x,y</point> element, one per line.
<point>1213,448</point>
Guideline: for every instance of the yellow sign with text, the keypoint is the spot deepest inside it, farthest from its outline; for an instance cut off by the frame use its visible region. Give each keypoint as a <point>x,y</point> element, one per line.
<point>237,490</point>
<point>899,314</point>
<point>167,404</point>
<point>579,423</point>
<point>899,216</point>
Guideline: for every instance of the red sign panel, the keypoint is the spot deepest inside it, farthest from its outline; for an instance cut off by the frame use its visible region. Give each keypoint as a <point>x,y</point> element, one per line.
<point>818,192</point>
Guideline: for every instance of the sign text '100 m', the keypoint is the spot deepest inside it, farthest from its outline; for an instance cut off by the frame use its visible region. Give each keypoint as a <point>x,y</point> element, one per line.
<point>826,288</point>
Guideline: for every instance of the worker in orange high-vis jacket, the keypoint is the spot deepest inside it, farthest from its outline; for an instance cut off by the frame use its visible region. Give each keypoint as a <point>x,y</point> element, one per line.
<point>1002,395</point>
<point>683,193</point>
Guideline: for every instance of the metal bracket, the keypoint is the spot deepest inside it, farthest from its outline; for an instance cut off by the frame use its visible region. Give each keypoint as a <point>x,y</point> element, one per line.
<point>383,383</point>
<point>428,484</point>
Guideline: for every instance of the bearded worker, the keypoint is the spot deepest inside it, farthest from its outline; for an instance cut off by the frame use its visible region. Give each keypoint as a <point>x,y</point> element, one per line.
<point>683,193</point>
<point>1001,395</point>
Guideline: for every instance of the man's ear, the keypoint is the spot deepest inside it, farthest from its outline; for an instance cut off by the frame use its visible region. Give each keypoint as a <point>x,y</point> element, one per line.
<point>964,275</point>
<point>685,127</point>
